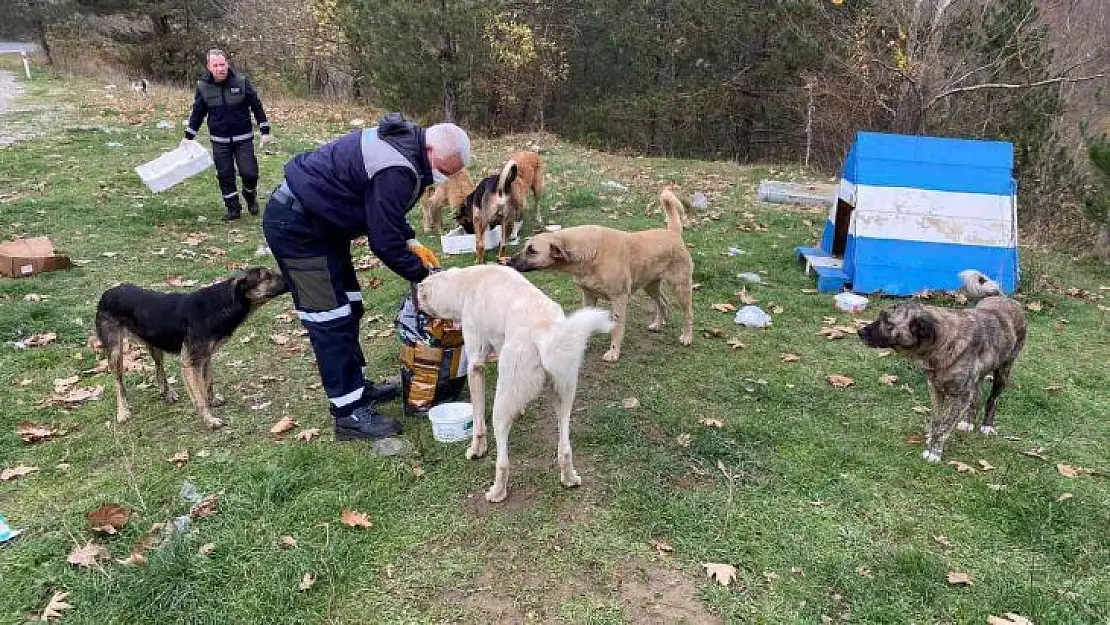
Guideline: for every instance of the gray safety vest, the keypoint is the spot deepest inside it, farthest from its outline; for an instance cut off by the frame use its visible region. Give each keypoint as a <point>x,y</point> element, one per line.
<point>378,154</point>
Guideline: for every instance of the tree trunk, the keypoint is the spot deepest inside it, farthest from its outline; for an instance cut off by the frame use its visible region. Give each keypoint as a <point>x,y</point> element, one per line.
<point>450,100</point>
<point>1102,243</point>
<point>44,40</point>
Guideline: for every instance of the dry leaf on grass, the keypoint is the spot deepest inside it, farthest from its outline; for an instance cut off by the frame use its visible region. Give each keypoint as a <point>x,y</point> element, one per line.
<point>840,381</point>
<point>206,507</point>
<point>382,334</point>
<point>888,379</point>
<point>308,435</point>
<point>961,467</point>
<point>1064,497</point>
<point>943,541</point>
<point>196,238</point>
<point>1034,306</point>
<point>788,357</point>
<point>178,281</point>
<point>922,409</point>
<point>736,344</point>
<point>54,608</point>
<point>279,339</point>
<point>863,571</point>
<point>630,403</point>
<point>684,440</point>
<point>418,471</point>
<point>109,518</point>
<point>306,582</point>
<point>1008,618</point>
<point>725,307</point>
<point>959,579</point>
<point>180,458</point>
<point>287,542</point>
<point>746,298</point>
<point>915,439</point>
<point>776,309</point>
<point>986,466</point>
<point>353,518</point>
<point>283,426</point>
<point>1036,452</point>
<point>38,340</point>
<point>1054,389</point>
<point>87,555</point>
<point>723,574</point>
<point>34,433</point>
<point>16,472</point>
<point>996,487</point>
<point>662,546</point>
<point>1069,471</point>
<point>831,333</point>
<point>79,395</point>
<point>206,549</point>
<point>711,423</point>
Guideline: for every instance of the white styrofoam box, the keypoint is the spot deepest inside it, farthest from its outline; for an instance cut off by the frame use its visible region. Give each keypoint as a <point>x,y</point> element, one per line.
<point>458,241</point>
<point>174,166</point>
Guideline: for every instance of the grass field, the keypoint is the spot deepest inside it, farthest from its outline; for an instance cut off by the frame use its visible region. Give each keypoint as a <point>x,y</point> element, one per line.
<point>816,494</point>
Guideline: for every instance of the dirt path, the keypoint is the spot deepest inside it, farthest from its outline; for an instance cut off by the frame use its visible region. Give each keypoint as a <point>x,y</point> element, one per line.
<point>9,90</point>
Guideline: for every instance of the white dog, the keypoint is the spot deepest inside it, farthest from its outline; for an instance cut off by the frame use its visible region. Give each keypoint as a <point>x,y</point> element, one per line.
<point>502,312</point>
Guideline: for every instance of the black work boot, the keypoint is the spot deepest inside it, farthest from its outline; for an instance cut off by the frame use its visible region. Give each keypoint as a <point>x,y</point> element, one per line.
<point>381,392</point>
<point>234,211</point>
<point>251,196</point>
<point>365,422</point>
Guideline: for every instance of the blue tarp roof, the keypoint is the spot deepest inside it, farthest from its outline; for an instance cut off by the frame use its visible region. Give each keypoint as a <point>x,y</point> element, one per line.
<point>934,163</point>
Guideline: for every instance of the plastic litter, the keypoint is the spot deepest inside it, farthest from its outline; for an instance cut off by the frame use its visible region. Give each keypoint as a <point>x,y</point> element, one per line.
<point>751,277</point>
<point>165,123</point>
<point>850,302</point>
<point>189,492</point>
<point>113,144</point>
<point>700,202</point>
<point>7,534</point>
<point>753,317</point>
<point>613,184</point>
<point>735,251</point>
<point>174,166</point>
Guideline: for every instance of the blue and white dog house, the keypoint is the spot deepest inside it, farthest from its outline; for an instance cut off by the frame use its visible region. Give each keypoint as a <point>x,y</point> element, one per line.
<point>912,212</point>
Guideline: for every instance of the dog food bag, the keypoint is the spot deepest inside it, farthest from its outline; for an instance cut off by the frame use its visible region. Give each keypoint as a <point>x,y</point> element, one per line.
<point>433,361</point>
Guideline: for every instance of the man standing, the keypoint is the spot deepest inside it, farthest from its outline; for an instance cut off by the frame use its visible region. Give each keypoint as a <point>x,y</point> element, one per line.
<point>228,101</point>
<point>363,183</point>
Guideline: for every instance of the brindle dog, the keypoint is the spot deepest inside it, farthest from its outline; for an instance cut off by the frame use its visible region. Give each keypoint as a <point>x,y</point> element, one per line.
<point>957,349</point>
<point>194,325</point>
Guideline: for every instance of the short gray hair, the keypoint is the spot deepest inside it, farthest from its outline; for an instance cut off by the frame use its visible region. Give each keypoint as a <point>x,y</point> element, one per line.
<point>214,52</point>
<point>449,139</point>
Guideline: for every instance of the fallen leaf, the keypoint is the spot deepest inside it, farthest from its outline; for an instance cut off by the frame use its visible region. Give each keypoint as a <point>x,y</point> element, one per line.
<point>922,409</point>
<point>770,576</point>
<point>959,579</point>
<point>195,239</point>
<point>888,379</point>
<point>39,340</point>
<point>353,518</point>
<point>26,382</point>
<point>418,471</point>
<point>61,385</point>
<point>62,466</point>
<point>714,333</point>
<point>135,559</point>
<point>264,405</point>
<point>776,309</point>
<point>943,541</point>
<point>662,546</point>
<point>206,507</point>
<point>279,339</point>
<point>724,574</point>
<point>383,334</point>
<point>109,518</point>
<point>1008,619</point>
<point>307,435</point>
<point>996,487</point>
<point>1034,306</point>
<point>797,570</point>
<point>246,339</point>
<point>14,473</point>
<point>684,440</point>
<point>180,458</point>
<point>736,344</point>
<point>630,403</point>
<point>787,357</point>
<point>840,381</point>
<point>711,423</point>
<point>745,297</point>
<point>287,542</point>
<point>178,281</point>
<point>203,453</point>
<point>283,426</point>
<point>306,582</point>
<point>831,333</point>
<point>1054,389</point>
<point>206,549</point>
<point>54,607</point>
<point>961,467</point>
<point>915,439</point>
<point>863,571</point>
<point>1064,497</point>
<point>986,466</point>
<point>725,307</point>
<point>1036,452</point>
<point>34,433</point>
<point>79,395</point>
<point>1067,470</point>
<point>87,555</point>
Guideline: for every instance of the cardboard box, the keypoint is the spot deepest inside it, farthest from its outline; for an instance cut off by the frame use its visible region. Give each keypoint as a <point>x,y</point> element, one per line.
<point>28,257</point>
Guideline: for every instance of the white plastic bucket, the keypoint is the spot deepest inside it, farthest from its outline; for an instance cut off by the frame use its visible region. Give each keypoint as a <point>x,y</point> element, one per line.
<point>452,422</point>
<point>174,166</point>
<point>458,241</point>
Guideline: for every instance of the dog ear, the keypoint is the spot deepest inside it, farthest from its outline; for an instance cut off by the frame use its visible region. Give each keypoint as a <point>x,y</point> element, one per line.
<point>924,329</point>
<point>506,184</point>
<point>558,251</point>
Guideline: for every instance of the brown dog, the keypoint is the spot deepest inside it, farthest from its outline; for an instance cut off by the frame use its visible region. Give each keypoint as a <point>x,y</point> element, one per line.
<point>613,264</point>
<point>451,193</point>
<point>957,349</point>
<point>501,199</point>
<point>193,325</point>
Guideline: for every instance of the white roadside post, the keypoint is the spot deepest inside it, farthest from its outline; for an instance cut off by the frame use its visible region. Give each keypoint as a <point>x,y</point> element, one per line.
<point>26,64</point>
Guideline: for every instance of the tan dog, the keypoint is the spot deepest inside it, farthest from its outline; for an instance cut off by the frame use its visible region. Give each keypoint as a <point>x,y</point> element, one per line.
<point>530,178</point>
<point>501,311</point>
<point>613,264</point>
<point>451,194</point>
<point>957,349</point>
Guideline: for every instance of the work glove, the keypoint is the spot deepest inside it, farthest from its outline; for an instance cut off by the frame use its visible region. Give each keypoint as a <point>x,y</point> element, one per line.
<point>426,255</point>
<point>266,138</point>
<point>187,142</point>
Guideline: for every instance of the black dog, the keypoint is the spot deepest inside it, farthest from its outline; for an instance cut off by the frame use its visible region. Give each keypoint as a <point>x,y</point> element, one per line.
<point>193,325</point>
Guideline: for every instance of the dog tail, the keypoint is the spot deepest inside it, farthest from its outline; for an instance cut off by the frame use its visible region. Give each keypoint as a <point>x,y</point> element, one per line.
<point>562,349</point>
<point>672,207</point>
<point>508,175</point>
<point>977,284</point>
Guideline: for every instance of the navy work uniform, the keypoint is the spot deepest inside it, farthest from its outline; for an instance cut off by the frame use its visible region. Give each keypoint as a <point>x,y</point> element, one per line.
<point>363,183</point>
<point>228,106</point>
